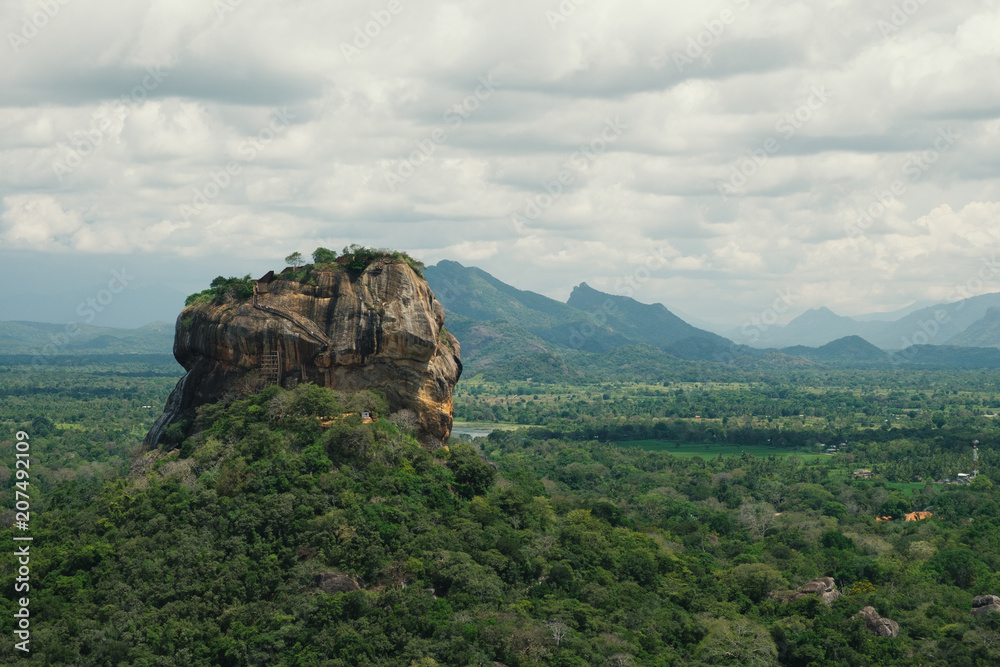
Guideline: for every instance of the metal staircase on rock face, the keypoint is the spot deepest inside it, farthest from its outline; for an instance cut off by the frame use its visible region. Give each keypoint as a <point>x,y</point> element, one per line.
<point>270,367</point>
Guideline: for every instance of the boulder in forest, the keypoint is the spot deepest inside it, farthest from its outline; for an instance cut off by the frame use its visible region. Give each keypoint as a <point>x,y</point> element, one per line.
<point>883,627</point>
<point>985,603</point>
<point>336,582</point>
<point>824,587</point>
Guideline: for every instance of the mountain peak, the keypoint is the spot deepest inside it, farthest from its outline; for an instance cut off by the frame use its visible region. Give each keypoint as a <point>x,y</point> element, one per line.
<point>984,332</point>
<point>851,343</point>
<point>819,315</point>
<point>849,349</point>
<point>590,320</point>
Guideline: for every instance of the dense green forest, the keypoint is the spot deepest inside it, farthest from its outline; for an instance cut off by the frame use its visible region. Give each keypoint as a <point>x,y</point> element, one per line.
<point>609,532</point>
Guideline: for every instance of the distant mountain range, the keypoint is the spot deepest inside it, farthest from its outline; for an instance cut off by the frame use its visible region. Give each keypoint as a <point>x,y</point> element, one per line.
<point>518,333</point>
<point>35,338</point>
<point>938,324</point>
<point>984,332</point>
<point>498,324</point>
<point>127,308</point>
<point>849,350</point>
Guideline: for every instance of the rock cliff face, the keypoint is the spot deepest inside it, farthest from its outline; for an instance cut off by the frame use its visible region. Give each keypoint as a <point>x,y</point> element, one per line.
<point>380,329</point>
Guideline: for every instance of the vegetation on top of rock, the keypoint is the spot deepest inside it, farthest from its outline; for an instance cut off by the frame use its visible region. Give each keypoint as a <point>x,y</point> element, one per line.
<point>354,258</point>
<point>223,290</point>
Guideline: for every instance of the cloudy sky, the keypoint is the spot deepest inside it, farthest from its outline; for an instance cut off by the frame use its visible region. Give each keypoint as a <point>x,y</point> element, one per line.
<point>704,155</point>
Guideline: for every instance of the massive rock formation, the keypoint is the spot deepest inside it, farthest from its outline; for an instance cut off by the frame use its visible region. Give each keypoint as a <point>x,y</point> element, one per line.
<point>380,329</point>
<point>883,627</point>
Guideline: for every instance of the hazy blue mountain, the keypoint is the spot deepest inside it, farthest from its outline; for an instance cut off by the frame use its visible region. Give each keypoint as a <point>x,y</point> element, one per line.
<point>855,352</point>
<point>892,315</point>
<point>816,326</point>
<point>847,351</point>
<point>935,325</point>
<point>55,339</point>
<point>947,357</point>
<point>723,330</point>
<point>938,324</point>
<point>984,332</point>
<point>95,305</point>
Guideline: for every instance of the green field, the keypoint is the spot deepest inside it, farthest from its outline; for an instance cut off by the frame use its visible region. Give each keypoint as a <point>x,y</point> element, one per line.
<point>688,450</point>
<point>908,488</point>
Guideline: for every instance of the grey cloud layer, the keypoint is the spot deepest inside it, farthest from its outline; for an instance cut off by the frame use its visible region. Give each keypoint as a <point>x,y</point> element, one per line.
<point>712,94</point>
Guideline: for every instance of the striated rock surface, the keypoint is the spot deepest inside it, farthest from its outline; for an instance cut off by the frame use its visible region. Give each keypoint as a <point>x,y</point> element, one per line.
<point>985,603</point>
<point>883,627</point>
<point>825,587</point>
<point>380,329</point>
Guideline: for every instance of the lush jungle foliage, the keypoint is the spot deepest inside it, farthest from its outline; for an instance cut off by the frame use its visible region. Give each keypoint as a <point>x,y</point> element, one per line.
<point>531,547</point>
<point>354,259</point>
<point>222,290</point>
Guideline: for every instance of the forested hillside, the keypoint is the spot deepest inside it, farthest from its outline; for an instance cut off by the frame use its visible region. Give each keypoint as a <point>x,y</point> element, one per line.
<point>285,531</point>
